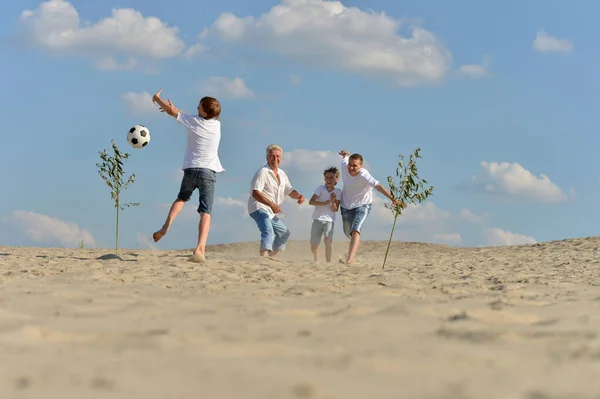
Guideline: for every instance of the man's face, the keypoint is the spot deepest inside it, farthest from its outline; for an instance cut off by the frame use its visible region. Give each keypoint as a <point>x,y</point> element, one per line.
<point>354,167</point>
<point>274,158</point>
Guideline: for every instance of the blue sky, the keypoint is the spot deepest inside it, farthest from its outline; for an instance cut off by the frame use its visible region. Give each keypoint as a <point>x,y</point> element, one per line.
<point>500,96</point>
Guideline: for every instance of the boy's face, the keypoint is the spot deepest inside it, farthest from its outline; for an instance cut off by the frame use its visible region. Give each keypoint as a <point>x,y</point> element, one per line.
<point>354,167</point>
<point>201,112</point>
<point>330,179</point>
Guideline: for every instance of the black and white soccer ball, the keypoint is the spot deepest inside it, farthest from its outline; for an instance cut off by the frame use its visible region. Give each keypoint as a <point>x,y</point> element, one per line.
<point>138,136</point>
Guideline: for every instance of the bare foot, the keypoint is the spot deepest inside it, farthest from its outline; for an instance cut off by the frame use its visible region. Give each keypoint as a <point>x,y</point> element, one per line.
<point>346,261</point>
<point>160,234</point>
<point>197,258</point>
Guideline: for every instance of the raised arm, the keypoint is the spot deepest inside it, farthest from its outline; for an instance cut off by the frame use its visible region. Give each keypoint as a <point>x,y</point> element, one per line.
<point>167,107</point>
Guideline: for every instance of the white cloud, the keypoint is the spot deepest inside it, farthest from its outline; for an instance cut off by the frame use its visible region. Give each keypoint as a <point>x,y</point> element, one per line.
<point>48,230</point>
<point>424,222</point>
<point>495,236</point>
<point>56,27</point>
<point>309,161</point>
<point>327,34</point>
<point>511,179</point>
<point>424,214</point>
<point>140,103</point>
<point>227,88</point>
<point>195,50</point>
<point>471,217</point>
<point>544,42</point>
<point>476,70</point>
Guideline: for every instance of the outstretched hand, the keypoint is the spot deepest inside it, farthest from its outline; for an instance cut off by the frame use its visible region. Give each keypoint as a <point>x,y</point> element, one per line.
<point>162,108</point>
<point>344,153</point>
<point>156,97</point>
<point>301,199</point>
<point>161,103</point>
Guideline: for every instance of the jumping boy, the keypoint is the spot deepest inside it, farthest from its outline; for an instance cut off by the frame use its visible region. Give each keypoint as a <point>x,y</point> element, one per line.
<point>326,200</point>
<point>357,198</point>
<point>200,165</point>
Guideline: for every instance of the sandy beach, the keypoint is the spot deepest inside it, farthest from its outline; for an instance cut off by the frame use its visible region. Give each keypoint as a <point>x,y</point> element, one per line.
<point>437,322</point>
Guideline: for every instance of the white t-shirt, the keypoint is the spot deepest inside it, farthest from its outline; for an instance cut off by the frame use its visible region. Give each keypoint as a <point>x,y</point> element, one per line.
<point>358,190</point>
<point>265,181</point>
<point>203,137</point>
<point>324,213</point>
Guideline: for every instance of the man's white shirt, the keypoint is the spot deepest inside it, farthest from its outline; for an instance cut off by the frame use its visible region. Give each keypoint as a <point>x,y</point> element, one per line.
<point>266,182</point>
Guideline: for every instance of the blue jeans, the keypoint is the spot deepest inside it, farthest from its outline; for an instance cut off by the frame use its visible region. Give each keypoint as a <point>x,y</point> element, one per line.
<point>202,179</point>
<point>273,232</point>
<point>354,218</point>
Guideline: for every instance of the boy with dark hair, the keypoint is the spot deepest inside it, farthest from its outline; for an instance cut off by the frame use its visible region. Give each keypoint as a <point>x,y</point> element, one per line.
<point>326,200</point>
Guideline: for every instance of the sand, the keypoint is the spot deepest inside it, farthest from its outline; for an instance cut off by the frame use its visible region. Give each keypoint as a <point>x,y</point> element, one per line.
<point>438,322</point>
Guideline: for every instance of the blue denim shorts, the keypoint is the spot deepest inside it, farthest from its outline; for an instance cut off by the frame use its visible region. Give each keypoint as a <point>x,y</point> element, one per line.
<point>202,179</point>
<point>354,218</point>
<point>320,229</point>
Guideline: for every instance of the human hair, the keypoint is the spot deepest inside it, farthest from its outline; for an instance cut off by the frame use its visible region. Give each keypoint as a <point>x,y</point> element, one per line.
<point>333,170</point>
<point>211,106</point>
<point>356,156</point>
<point>273,147</point>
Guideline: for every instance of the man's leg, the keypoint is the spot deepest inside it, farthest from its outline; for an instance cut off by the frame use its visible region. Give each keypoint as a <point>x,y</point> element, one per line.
<point>173,212</point>
<point>267,235</point>
<point>282,234</point>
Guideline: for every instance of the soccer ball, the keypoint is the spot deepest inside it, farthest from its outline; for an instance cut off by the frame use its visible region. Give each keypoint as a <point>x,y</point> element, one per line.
<point>138,136</point>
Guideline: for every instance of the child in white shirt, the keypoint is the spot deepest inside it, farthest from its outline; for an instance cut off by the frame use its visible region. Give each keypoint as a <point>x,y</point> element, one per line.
<point>200,165</point>
<point>357,198</point>
<point>326,200</point>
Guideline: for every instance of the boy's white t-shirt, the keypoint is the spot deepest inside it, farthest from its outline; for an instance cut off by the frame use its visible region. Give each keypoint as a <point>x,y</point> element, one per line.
<point>324,213</point>
<point>358,190</point>
<point>203,137</point>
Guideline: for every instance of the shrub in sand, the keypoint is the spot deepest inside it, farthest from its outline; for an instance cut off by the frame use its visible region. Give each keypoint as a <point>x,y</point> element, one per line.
<point>408,188</point>
<point>111,170</point>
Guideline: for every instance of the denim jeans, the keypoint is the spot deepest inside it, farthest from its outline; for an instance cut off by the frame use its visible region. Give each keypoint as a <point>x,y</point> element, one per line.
<point>202,179</point>
<point>273,232</point>
<point>353,219</point>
